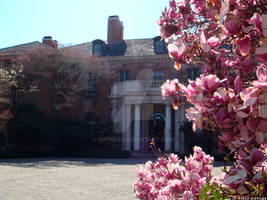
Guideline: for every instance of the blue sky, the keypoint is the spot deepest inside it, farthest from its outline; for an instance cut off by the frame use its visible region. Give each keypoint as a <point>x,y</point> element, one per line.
<point>75,21</point>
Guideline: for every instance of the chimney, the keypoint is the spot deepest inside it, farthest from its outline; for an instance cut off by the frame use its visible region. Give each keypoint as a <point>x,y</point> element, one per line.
<point>50,42</point>
<point>115,29</point>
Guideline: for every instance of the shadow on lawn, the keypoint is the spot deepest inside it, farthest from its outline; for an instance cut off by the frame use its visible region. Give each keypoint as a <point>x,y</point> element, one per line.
<point>76,162</point>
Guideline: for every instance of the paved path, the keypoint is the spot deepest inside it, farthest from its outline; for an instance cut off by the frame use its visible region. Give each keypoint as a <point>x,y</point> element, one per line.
<point>69,179</point>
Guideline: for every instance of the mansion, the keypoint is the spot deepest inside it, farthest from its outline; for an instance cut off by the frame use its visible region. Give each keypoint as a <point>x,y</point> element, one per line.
<point>132,100</point>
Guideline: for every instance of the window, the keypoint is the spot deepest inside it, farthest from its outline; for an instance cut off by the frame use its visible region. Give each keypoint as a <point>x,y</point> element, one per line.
<point>192,74</point>
<point>8,64</point>
<point>92,84</point>
<point>159,46</point>
<point>97,49</point>
<point>124,76</point>
<point>158,75</point>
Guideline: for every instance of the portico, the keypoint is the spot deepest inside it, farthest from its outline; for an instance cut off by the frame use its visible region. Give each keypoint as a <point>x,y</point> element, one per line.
<point>133,108</point>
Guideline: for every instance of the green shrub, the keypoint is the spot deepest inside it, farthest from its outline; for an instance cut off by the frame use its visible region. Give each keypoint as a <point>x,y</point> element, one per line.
<point>212,191</point>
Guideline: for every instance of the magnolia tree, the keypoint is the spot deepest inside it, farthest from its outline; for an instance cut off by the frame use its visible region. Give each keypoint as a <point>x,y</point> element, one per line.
<point>229,39</point>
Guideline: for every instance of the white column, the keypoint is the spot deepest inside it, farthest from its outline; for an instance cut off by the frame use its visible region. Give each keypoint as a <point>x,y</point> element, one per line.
<point>177,138</point>
<point>128,127</point>
<point>123,126</point>
<point>137,127</point>
<point>167,128</point>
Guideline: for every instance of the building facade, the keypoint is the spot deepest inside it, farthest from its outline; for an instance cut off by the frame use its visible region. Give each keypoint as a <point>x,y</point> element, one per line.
<point>132,97</point>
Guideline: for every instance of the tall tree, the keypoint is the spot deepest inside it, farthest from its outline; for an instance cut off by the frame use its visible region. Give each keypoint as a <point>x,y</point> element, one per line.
<point>8,85</point>
<point>59,76</point>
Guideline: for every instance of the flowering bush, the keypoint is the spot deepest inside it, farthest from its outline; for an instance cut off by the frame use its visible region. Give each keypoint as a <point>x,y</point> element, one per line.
<point>229,39</point>
<point>170,178</point>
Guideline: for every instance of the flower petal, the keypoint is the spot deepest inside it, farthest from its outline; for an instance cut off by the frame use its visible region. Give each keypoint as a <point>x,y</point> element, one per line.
<point>202,38</point>
<point>257,156</point>
<point>224,10</point>
<point>242,114</point>
<point>250,101</point>
<point>261,73</point>
<point>213,41</point>
<point>244,45</point>
<point>258,21</point>
<point>176,51</point>
<point>238,84</point>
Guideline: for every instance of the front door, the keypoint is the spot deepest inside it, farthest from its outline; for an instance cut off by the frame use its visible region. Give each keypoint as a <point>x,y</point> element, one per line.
<point>156,130</point>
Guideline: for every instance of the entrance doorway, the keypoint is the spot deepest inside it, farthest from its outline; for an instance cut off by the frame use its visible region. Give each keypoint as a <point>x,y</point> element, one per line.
<point>156,129</point>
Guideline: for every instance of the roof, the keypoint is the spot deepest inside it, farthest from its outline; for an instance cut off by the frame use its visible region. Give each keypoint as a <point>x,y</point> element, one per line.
<point>23,47</point>
<point>133,47</point>
<point>140,47</point>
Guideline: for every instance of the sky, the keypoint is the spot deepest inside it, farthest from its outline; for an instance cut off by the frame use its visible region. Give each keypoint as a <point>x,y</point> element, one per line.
<point>75,21</point>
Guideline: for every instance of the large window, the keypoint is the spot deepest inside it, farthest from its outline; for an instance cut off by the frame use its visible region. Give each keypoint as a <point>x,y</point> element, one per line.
<point>124,76</point>
<point>158,75</point>
<point>192,74</point>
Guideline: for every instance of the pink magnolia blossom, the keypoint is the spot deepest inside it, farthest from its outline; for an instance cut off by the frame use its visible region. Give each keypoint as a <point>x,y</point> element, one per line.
<point>170,88</point>
<point>195,115</point>
<point>210,82</point>
<point>169,178</point>
<point>228,38</point>
<point>210,44</point>
<point>232,24</point>
<point>176,51</point>
<point>194,90</point>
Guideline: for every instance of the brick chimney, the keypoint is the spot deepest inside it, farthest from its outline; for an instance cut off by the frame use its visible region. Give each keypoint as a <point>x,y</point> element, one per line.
<point>115,29</point>
<point>50,42</point>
